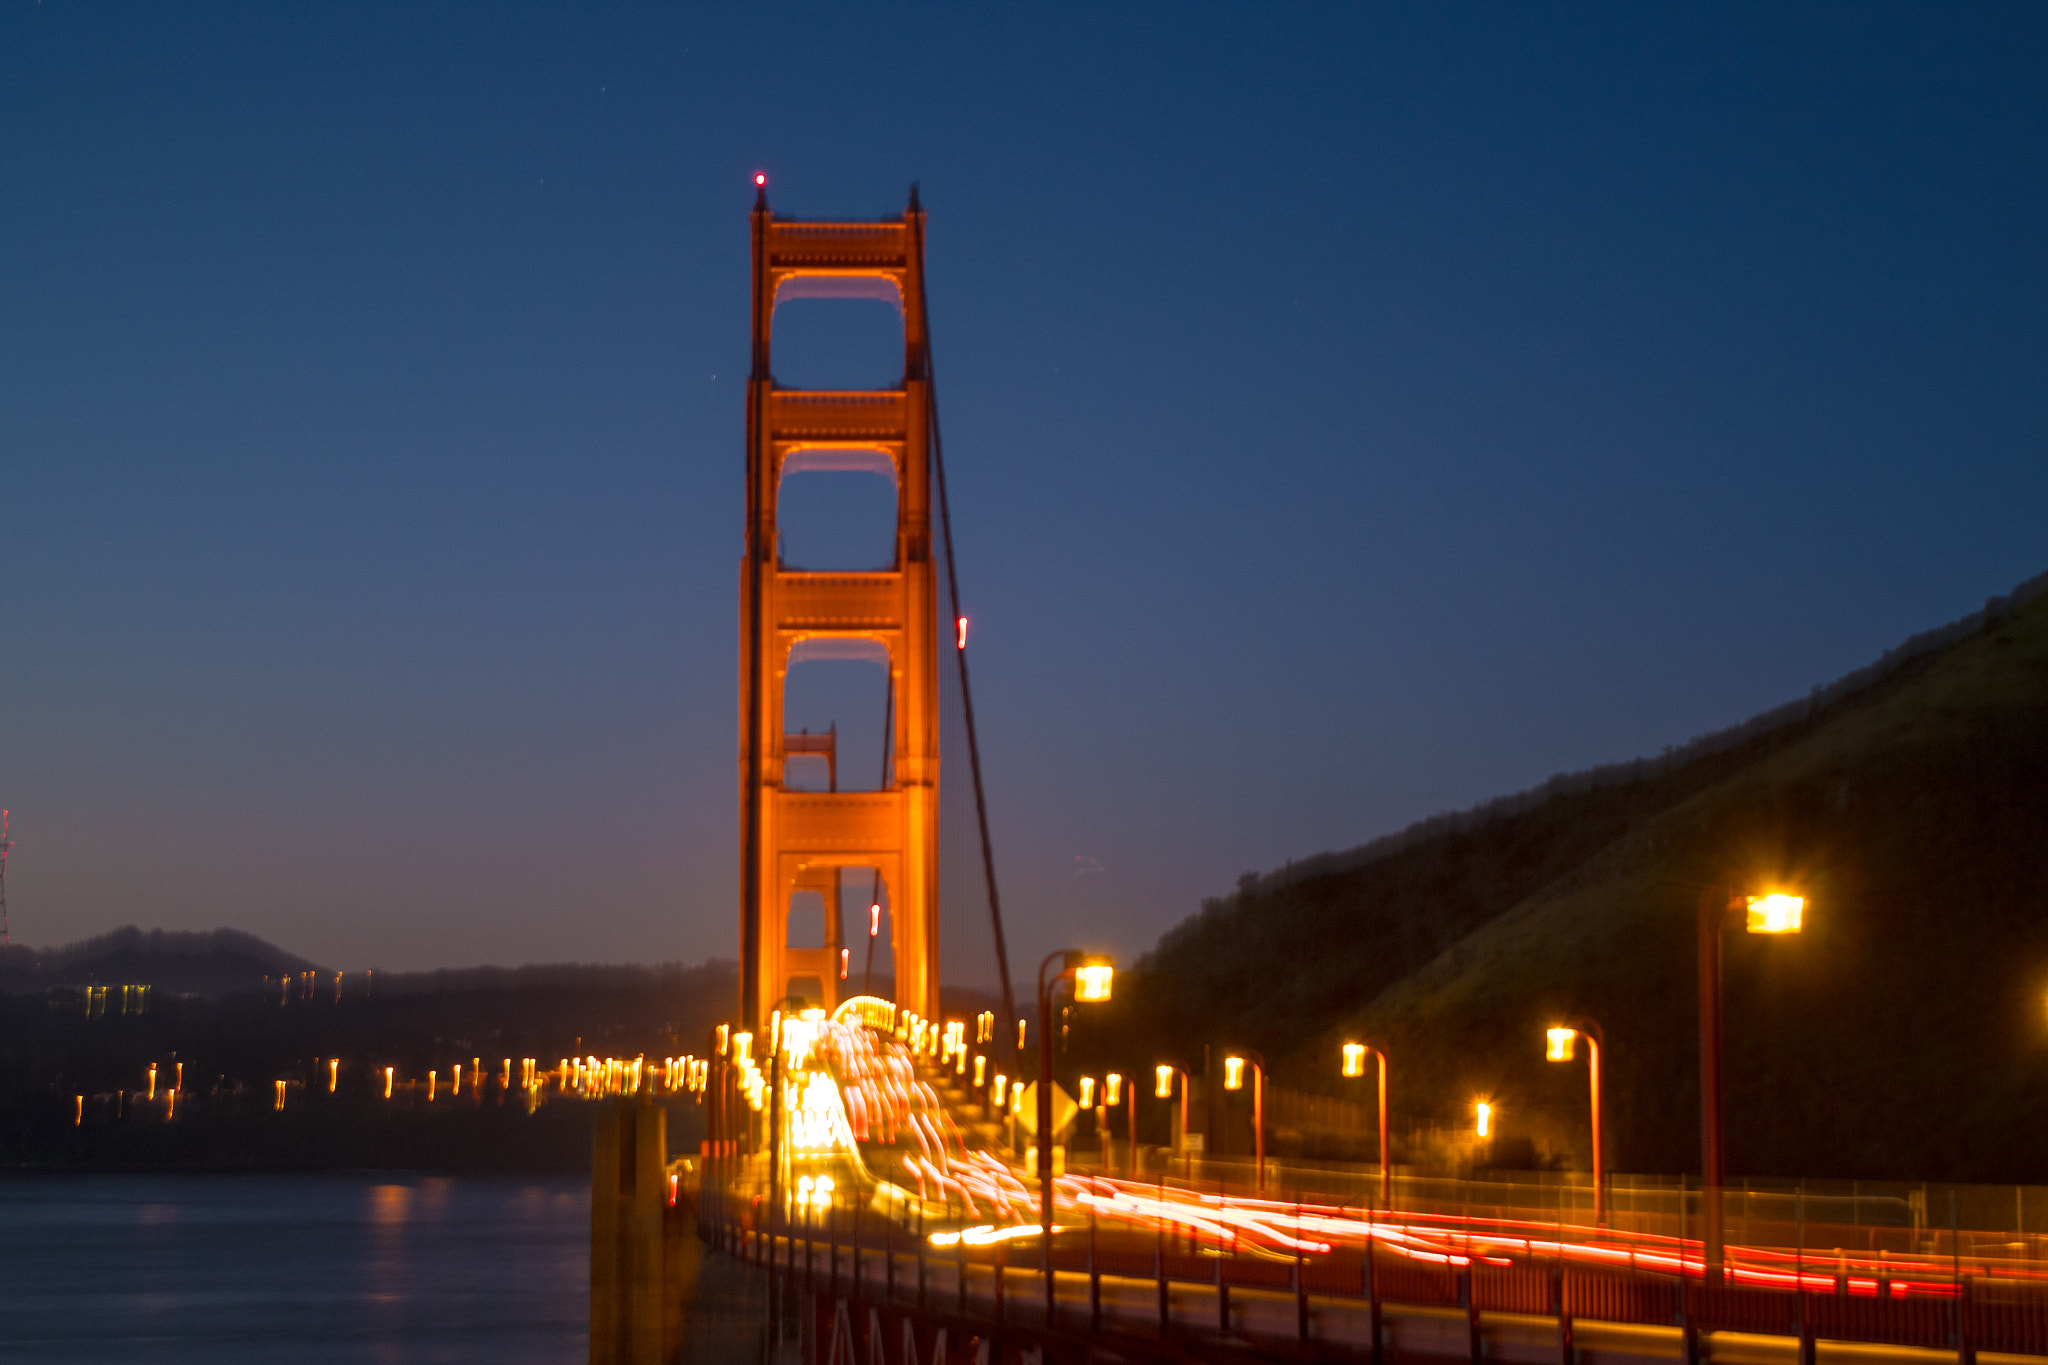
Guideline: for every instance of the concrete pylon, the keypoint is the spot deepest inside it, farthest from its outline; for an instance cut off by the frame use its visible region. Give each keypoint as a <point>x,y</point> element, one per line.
<point>798,840</point>
<point>635,1310</point>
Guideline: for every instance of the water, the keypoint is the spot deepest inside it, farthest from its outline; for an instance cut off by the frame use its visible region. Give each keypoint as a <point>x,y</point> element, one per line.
<point>223,1269</point>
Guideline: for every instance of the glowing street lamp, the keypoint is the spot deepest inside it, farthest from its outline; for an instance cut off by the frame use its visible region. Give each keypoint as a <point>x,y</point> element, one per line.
<point>1233,1079</point>
<point>1354,1066</point>
<point>1484,1119</point>
<point>867,981</point>
<point>1092,975</point>
<point>1774,913</point>
<point>1559,1049</point>
<point>1162,1088</point>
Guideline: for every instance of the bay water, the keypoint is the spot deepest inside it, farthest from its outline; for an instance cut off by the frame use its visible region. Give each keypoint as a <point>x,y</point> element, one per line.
<point>182,1269</point>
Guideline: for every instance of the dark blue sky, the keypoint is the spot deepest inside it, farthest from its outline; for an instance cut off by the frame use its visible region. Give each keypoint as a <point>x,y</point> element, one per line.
<point>1352,413</point>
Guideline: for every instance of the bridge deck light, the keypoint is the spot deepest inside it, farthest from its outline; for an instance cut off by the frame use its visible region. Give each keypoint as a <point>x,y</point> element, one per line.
<point>1233,1073</point>
<point>1560,1046</point>
<point>1485,1116</point>
<point>1162,1082</point>
<point>1092,980</point>
<point>1113,1088</point>
<point>1354,1059</point>
<point>1776,913</point>
<point>1087,1092</point>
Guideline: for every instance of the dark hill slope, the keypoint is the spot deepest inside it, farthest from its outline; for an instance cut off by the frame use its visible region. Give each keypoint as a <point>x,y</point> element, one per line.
<point>174,961</point>
<point>1917,784</point>
<point>1904,1035</point>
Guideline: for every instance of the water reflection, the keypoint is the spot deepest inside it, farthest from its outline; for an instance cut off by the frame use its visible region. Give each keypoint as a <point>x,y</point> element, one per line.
<point>246,1268</point>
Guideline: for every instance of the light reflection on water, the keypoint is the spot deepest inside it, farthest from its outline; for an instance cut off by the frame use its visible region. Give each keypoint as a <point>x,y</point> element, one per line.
<point>308,1268</point>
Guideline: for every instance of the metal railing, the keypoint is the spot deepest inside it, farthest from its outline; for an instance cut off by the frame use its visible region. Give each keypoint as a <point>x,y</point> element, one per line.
<point>1164,1283</point>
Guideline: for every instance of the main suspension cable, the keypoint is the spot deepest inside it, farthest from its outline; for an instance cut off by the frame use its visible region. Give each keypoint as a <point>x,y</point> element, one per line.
<point>938,446</point>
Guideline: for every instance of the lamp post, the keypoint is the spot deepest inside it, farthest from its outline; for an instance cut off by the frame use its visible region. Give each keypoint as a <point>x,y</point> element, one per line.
<point>1774,913</point>
<point>1162,1088</point>
<point>1354,1066</point>
<point>1091,975</point>
<point>1113,1092</point>
<point>867,979</point>
<point>1559,1049</point>
<point>1233,1079</point>
<point>777,1019</point>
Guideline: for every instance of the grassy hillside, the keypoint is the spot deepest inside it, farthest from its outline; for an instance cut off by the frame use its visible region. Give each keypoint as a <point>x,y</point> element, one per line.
<point>1905,1035</point>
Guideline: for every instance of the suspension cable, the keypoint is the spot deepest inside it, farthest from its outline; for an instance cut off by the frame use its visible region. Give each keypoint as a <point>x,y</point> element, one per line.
<point>938,447</point>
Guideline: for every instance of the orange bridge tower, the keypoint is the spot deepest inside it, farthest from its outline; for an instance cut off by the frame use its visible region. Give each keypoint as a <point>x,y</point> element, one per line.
<point>798,841</point>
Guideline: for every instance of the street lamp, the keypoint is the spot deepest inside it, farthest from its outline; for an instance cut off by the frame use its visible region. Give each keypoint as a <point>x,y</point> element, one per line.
<point>1233,1079</point>
<point>1162,1088</point>
<point>1092,975</point>
<point>867,980</point>
<point>1113,1093</point>
<point>1354,1066</point>
<point>1561,1039</point>
<point>1773,913</point>
<point>778,1022</point>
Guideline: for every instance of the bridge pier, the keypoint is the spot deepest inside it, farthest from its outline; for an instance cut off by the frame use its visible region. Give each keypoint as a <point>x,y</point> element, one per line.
<point>636,1252</point>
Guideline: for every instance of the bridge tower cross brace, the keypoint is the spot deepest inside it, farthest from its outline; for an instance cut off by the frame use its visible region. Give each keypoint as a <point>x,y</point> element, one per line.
<point>794,841</point>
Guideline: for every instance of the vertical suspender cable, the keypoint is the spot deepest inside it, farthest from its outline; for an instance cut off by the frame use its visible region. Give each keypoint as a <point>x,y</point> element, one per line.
<point>938,445</point>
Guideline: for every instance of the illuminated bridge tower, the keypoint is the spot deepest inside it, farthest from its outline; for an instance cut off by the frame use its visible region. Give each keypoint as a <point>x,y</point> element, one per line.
<point>797,841</point>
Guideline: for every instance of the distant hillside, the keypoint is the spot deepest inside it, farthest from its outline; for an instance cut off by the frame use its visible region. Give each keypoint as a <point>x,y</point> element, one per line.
<point>179,963</point>
<point>1905,1035</point>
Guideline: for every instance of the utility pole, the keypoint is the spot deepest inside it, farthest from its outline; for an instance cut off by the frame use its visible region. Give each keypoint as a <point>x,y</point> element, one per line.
<point>5,844</point>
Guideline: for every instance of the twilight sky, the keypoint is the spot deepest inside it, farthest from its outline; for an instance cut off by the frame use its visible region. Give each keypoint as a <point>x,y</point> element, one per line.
<point>1353,413</point>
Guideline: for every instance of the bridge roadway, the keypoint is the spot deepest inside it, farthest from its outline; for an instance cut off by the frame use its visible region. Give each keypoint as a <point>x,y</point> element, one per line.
<point>1161,1272</point>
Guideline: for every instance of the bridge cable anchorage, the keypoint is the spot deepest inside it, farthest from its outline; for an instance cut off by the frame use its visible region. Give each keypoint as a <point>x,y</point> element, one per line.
<point>938,450</point>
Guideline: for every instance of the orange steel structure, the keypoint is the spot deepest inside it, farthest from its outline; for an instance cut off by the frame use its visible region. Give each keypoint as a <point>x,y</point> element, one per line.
<point>798,841</point>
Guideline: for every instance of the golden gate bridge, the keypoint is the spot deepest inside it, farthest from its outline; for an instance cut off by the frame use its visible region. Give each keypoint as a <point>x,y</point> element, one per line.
<point>902,1191</point>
